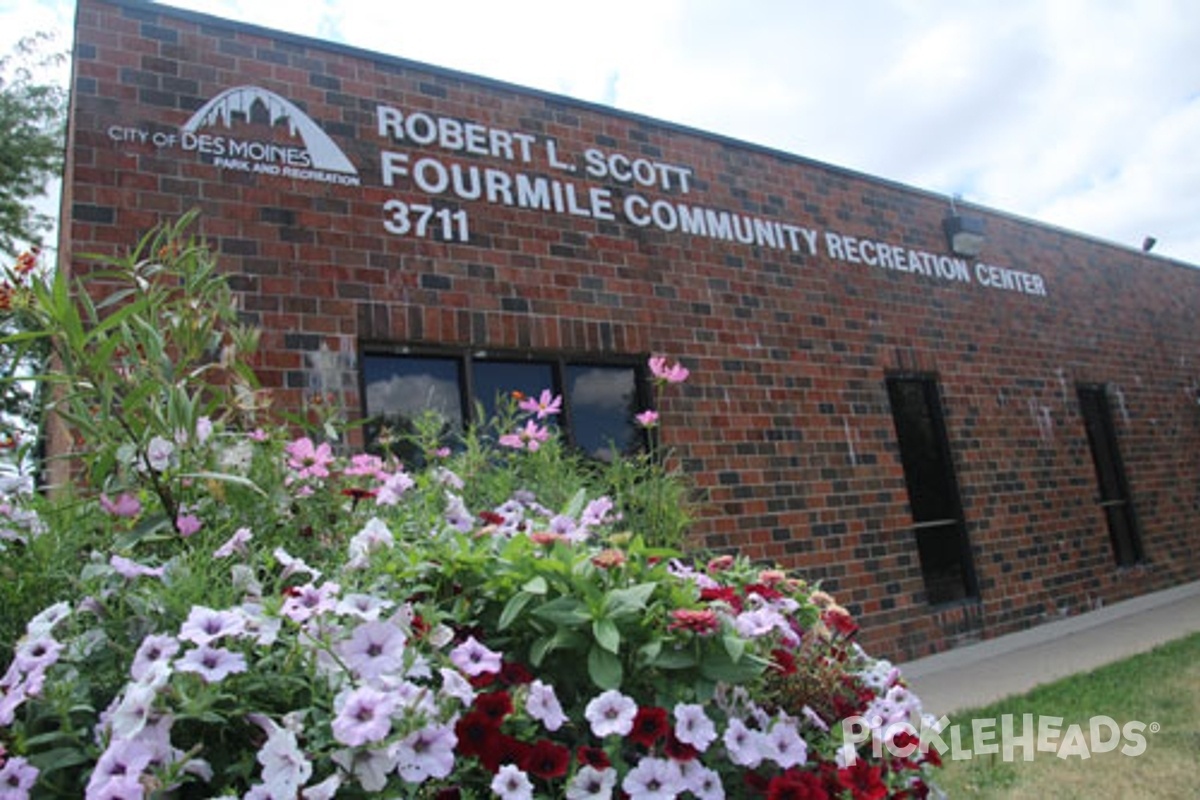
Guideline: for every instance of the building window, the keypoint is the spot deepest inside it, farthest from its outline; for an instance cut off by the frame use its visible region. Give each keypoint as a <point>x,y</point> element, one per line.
<point>1114,497</point>
<point>599,396</point>
<point>941,531</point>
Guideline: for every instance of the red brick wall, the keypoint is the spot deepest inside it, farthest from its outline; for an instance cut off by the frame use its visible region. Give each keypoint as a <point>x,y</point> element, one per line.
<point>785,425</point>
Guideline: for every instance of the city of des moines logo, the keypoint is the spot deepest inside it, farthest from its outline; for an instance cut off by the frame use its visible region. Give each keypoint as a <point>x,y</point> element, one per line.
<point>251,129</point>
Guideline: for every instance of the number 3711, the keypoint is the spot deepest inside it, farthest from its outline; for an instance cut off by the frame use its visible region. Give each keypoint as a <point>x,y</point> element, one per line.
<point>425,221</point>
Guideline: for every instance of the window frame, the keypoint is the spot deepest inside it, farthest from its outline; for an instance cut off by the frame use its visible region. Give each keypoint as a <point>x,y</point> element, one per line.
<point>558,361</point>
<point>956,523</point>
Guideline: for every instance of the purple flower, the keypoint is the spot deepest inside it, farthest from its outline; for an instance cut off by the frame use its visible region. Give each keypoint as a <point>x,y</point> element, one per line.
<point>308,601</point>
<point>611,713</point>
<point>291,565</point>
<point>155,650</point>
<point>129,569</point>
<point>284,766</point>
<point>743,745</point>
<point>213,664</point>
<point>205,625</point>
<point>783,745</point>
<point>693,727</point>
<point>187,524</point>
<point>37,653</point>
<point>124,760</point>
<point>364,717</point>
<point>366,607</point>
<point>374,536</point>
<point>374,649</point>
<point>510,783</point>
<point>234,544</point>
<point>474,659</point>
<point>158,454</point>
<point>592,784</point>
<point>542,704</point>
<point>393,487</point>
<point>654,779</point>
<point>17,777</point>
<point>126,505</point>
<point>427,753</point>
<point>133,712</point>
<point>371,767</point>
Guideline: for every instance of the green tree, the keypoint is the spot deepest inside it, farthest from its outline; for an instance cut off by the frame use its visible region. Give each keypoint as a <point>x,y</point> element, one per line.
<point>33,118</point>
<point>33,121</point>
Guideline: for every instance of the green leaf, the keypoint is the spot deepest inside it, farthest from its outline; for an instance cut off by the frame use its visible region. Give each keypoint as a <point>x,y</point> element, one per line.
<point>536,585</point>
<point>675,659</point>
<point>718,666</point>
<point>226,478</point>
<point>735,646</point>
<point>604,668</point>
<point>59,758</point>
<point>513,608</point>
<point>563,611</point>
<point>630,601</point>
<point>575,507</point>
<point>607,635</point>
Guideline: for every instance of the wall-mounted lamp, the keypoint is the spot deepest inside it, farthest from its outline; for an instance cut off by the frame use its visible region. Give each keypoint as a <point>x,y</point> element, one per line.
<point>1148,244</point>
<point>965,234</point>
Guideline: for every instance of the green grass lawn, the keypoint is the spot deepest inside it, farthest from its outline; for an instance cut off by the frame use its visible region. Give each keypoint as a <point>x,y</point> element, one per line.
<point>1160,687</point>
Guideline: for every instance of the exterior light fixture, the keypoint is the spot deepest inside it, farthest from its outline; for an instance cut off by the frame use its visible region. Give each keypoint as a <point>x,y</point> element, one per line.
<point>964,233</point>
<point>1148,244</point>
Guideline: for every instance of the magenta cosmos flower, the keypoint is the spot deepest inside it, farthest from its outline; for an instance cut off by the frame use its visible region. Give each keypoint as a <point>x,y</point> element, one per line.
<point>309,460</point>
<point>669,373</point>
<point>545,405</point>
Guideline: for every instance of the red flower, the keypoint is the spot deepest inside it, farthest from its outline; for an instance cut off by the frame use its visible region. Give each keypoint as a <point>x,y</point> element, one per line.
<point>491,518</point>
<point>764,591</point>
<point>796,784</point>
<point>547,760</point>
<point>607,559</point>
<point>514,674</point>
<point>649,725</point>
<point>723,594</point>
<point>677,750</point>
<point>592,757</point>
<point>783,661</point>
<point>475,732</point>
<point>503,750</point>
<point>863,780</point>
<point>494,705</point>
<point>838,620</point>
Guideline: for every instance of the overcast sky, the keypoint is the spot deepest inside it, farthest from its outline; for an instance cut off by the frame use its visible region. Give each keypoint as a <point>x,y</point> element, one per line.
<point>1078,113</point>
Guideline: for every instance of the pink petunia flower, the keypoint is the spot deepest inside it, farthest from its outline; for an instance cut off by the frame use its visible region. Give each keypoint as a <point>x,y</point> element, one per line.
<point>693,727</point>
<point>235,544</point>
<point>654,779</point>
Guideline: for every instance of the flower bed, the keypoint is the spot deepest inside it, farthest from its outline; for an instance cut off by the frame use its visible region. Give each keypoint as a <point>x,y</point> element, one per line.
<point>233,612</point>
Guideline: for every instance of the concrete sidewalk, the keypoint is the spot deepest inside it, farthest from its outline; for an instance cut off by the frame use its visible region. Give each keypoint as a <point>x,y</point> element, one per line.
<point>981,673</point>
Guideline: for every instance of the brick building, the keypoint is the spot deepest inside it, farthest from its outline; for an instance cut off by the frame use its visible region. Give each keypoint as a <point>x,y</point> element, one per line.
<point>963,422</point>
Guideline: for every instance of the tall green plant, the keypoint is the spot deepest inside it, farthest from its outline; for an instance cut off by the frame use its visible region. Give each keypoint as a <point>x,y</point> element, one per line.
<point>139,370</point>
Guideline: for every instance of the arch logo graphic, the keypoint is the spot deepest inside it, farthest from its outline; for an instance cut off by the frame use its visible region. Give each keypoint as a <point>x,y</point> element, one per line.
<point>251,129</point>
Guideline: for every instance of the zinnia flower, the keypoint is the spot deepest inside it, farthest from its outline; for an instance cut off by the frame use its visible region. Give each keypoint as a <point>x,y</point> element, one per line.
<point>700,621</point>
